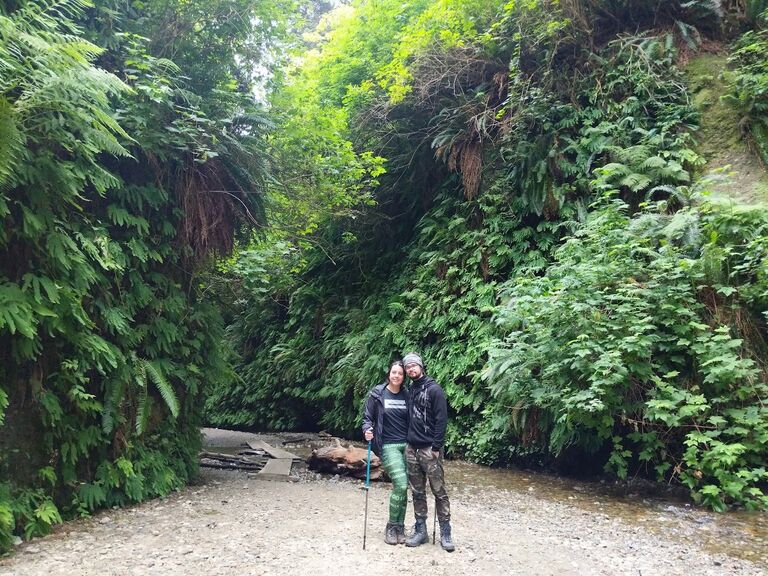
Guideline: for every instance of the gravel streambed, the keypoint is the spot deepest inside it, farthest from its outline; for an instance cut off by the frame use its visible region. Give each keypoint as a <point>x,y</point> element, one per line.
<point>235,524</point>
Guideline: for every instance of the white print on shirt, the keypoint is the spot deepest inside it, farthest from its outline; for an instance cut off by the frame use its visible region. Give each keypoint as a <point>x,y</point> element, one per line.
<point>390,404</point>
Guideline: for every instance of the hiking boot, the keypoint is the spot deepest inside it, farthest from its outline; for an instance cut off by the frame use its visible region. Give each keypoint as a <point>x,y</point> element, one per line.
<point>400,533</point>
<point>419,535</point>
<point>445,537</point>
<point>390,533</point>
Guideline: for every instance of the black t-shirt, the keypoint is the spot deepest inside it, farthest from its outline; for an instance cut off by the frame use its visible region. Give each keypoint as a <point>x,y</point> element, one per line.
<point>395,417</point>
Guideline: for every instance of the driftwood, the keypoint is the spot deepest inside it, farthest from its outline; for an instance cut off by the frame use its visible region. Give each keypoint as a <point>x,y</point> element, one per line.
<point>349,461</point>
<point>252,452</point>
<point>297,440</point>
<point>230,461</point>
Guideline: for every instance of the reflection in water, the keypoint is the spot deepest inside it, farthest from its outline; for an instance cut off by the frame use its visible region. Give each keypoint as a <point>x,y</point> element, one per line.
<point>718,533</point>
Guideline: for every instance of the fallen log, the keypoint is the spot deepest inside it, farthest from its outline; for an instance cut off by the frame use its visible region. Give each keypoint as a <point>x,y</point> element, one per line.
<point>346,461</point>
<point>297,440</point>
<point>231,465</point>
<point>230,461</point>
<point>252,452</point>
<point>232,457</point>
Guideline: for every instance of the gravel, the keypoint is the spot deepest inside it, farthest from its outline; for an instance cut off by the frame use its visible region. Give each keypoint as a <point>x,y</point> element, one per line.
<point>236,524</point>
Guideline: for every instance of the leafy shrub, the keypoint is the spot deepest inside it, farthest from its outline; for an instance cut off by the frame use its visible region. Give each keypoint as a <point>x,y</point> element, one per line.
<point>750,89</point>
<point>501,123</point>
<point>106,337</point>
<point>630,341</point>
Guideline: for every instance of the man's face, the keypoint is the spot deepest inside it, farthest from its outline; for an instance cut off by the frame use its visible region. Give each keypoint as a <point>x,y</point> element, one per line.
<point>414,371</point>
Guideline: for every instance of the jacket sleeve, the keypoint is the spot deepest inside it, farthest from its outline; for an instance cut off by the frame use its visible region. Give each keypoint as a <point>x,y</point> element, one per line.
<point>369,416</point>
<point>440,412</point>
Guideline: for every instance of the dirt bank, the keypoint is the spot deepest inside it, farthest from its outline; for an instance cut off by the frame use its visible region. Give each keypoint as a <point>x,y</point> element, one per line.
<point>235,524</point>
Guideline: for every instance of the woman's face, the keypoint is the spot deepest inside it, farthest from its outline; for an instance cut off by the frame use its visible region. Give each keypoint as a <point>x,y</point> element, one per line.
<point>396,374</point>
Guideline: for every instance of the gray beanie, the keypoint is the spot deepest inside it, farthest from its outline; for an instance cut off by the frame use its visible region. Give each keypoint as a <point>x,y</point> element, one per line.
<point>413,358</point>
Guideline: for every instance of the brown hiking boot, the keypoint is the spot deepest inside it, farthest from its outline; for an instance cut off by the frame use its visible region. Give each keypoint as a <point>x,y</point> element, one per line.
<point>400,533</point>
<point>390,533</point>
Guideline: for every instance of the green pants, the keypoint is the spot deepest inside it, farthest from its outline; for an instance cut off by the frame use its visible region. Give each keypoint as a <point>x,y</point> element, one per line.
<point>393,459</point>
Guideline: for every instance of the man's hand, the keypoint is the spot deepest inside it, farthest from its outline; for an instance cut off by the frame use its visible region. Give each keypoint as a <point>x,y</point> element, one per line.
<point>368,435</point>
<point>436,453</point>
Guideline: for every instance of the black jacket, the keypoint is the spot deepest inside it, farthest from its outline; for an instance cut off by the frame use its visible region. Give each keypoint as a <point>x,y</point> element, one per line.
<point>428,411</point>
<point>374,414</point>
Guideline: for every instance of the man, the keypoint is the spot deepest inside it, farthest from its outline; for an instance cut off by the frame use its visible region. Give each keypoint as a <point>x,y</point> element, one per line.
<point>424,452</point>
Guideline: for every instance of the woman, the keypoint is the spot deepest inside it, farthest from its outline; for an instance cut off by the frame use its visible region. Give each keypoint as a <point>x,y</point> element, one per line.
<point>385,424</point>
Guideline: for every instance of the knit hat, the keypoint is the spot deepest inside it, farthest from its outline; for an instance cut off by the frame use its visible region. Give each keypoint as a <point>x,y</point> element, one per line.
<point>413,358</point>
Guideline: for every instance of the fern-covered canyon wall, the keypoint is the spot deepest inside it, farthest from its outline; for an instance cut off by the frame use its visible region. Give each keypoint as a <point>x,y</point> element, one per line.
<point>548,233</point>
<point>132,156</point>
<point>237,213</point>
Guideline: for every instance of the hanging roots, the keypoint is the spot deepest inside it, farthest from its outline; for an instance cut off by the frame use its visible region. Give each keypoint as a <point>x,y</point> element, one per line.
<point>471,163</point>
<point>210,215</point>
<point>467,158</point>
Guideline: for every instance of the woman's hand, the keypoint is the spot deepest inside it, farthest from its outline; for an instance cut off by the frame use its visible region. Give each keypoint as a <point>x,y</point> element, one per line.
<point>368,435</point>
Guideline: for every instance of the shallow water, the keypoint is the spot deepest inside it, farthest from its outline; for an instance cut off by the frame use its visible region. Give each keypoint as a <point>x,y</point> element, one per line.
<point>740,534</point>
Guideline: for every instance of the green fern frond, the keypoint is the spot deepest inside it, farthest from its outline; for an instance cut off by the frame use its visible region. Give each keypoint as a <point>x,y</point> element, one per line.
<point>142,411</point>
<point>654,162</point>
<point>10,141</point>
<point>635,181</point>
<point>634,155</point>
<point>51,16</point>
<point>140,370</point>
<point>163,386</point>
<point>114,398</point>
<point>3,405</point>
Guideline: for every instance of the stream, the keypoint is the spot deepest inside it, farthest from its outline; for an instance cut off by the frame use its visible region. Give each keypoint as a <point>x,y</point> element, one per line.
<point>741,534</point>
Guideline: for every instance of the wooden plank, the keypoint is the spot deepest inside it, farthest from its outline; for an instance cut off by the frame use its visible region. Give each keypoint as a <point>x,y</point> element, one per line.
<point>271,450</point>
<point>276,469</point>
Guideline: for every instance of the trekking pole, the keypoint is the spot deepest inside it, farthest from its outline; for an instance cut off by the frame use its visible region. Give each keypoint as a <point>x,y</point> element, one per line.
<point>434,523</point>
<point>367,483</point>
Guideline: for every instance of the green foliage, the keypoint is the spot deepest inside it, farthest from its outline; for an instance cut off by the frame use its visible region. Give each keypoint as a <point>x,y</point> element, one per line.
<point>113,197</point>
<point>500,124</point>
<point>629,341</point>
<point>356,41</point>
<point>750,89</point>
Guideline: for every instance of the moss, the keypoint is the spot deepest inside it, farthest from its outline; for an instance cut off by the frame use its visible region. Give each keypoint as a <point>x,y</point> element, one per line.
<point>719,136</point>
<point>708,80</point>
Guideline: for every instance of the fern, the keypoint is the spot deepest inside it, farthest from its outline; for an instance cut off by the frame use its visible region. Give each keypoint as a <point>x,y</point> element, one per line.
<point>10,141</point>
<point>142,410</point>
<point>167,393</point>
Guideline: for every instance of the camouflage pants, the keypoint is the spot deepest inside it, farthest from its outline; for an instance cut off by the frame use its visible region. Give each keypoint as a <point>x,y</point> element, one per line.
<point>423,465</point>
